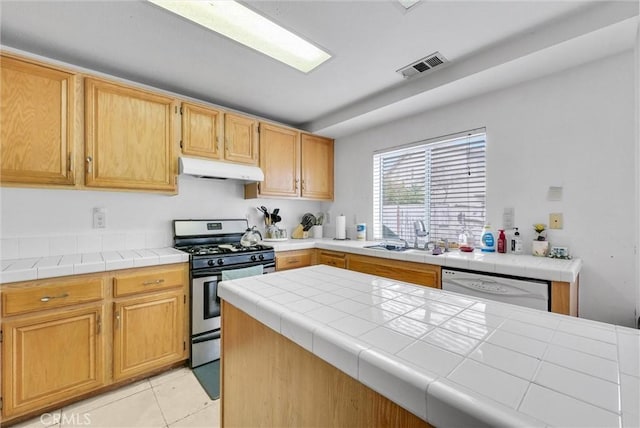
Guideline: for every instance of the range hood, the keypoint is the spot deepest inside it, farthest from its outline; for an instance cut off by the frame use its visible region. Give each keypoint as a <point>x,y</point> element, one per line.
<point>215,169</point>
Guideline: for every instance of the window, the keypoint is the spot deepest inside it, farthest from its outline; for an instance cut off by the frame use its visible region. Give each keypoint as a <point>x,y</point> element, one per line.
<point>440,181</point>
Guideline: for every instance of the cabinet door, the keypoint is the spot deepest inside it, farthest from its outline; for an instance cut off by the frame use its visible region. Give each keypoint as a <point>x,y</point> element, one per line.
<point>317,167</point>
<point>129,138</point>
<point>279,160</point>
<point>240,144</point>
<point>50,358</point>
<point>148,333</point>
<point>36,123</point>
<point>201,131</point>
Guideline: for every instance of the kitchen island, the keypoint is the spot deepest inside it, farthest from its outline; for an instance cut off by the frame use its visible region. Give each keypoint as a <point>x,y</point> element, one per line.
<point>327,346</point>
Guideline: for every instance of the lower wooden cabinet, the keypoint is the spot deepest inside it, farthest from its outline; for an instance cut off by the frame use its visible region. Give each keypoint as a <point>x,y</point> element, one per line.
<point>332,258</point>
<point>49,358</point>
<point>64,338</point>
<point>147,333</point>
<point>415,273</point>
<point>294,259</point>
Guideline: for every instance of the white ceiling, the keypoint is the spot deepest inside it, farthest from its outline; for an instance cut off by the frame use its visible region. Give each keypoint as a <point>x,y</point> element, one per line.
<point>490,44</point>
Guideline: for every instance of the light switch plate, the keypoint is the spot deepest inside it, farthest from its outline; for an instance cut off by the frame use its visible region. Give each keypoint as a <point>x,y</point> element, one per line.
<point>555,221</point>
<point>508,218</point>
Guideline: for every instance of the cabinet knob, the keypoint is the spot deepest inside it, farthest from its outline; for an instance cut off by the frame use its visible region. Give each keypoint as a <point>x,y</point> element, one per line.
<point>89,164</point>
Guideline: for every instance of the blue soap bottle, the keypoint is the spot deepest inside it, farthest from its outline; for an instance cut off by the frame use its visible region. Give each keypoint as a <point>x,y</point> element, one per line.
<point>488,240</point>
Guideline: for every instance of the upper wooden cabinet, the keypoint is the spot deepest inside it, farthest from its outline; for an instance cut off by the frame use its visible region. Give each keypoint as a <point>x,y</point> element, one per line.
<point>240,140</point>
<point>317,167</point>
<point>279,160</point>
<point>211,133</point>
<point>36,123</point>
<point>202,131</point>
<point>294,165</point>
<point>129,138</point>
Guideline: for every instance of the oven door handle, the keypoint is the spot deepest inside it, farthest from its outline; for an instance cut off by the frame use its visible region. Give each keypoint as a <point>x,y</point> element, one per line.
<point>206,337</point>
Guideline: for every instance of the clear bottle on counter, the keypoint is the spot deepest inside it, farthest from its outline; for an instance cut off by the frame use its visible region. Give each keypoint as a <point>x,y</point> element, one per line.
<point>516,242</point>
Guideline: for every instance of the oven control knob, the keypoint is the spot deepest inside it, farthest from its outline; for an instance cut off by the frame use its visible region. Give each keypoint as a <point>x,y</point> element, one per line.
<point>253,257</point>
<point>210,262</point>
<point>261,256</point>
<point>220,262</point>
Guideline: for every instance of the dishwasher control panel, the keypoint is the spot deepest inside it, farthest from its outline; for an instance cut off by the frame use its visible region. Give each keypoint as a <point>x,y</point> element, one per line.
<point>531,293</point>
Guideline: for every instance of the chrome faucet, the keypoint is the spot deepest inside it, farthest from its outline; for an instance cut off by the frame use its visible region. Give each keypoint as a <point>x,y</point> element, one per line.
<point>421,232</point>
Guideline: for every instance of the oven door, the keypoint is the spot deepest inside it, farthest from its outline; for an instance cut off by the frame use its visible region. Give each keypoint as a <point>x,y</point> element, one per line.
<point>205,307</point>
<point>205,317</point>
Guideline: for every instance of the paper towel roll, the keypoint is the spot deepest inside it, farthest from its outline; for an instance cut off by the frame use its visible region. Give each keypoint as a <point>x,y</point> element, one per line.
<point>341,227</point>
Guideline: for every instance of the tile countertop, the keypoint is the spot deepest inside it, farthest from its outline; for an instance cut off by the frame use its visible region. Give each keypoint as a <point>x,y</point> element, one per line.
<point>27,269</point>
<point>450,359</point>
<point>508,264</point>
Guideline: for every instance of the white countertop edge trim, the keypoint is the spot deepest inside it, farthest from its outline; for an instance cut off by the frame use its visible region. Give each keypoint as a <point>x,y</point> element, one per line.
<point>473,409</point>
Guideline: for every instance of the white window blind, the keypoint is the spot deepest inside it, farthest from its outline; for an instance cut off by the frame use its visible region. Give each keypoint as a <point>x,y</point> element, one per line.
<point>441,182</point>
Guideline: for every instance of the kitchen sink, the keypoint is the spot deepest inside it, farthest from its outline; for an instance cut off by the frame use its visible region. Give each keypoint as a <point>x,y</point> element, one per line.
<point>387,247</point>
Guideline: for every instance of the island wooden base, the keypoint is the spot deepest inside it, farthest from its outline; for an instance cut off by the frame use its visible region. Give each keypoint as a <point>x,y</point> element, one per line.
<point>267,380</point>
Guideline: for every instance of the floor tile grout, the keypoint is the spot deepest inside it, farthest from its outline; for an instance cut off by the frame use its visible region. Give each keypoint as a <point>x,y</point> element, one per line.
<point>179,389</point>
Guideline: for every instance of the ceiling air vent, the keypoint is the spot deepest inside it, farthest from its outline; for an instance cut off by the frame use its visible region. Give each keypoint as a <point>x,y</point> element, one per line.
<point>425,64</point>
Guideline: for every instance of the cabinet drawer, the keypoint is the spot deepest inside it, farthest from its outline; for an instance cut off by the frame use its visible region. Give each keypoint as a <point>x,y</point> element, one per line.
<point>48,294</point>
<point>147,280</point>
<point>332,259</point>
<point>415,273</point>
<point>293,259</point>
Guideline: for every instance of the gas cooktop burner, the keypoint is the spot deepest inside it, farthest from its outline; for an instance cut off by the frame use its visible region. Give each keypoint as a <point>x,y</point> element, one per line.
<point>207,250</point>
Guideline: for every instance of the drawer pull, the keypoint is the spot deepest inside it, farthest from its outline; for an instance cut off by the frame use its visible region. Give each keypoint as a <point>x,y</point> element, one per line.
<point>156,282</point>
<point>293,261</point>
<point>47,298</point>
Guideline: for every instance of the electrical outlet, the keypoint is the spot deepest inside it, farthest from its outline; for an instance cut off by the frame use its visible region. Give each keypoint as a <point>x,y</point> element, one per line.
<point>99,218</point>
<point>555,221</point>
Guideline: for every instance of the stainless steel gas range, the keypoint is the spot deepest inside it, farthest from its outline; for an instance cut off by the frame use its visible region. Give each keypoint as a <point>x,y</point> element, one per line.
<point>214,248</point>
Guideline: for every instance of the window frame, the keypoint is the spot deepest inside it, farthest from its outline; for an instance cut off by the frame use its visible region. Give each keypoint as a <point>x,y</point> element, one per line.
<point>475,213</point>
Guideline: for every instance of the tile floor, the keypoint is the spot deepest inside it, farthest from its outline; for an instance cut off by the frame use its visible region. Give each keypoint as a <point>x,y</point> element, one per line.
<point>173,399</point>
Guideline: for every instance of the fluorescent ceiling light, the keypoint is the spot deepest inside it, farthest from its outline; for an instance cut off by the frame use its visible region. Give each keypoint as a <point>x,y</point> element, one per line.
<point>408,3</point>
<point>233,20</point>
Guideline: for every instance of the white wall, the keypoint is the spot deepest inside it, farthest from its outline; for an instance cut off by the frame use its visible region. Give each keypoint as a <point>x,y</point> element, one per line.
<point>575,129</point>
<point>637,92</point>
<point>43,213</point>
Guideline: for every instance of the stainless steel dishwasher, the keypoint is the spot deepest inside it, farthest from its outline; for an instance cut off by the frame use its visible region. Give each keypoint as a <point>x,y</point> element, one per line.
<point>532,293</point>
